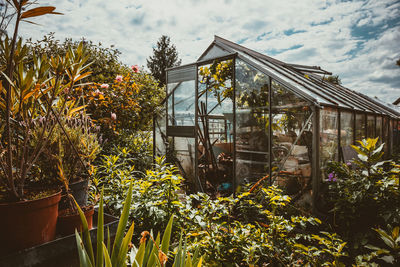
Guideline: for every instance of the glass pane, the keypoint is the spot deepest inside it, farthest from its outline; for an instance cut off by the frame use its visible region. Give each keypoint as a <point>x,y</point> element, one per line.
<point>385,136</point>
<point>396,144</point>
<point>215,121</point>
<point>370,126</point>
<point>392,132</point>
<point>347,125</point>
<point>184,149</point>
<point>214,52</point>
<point>252,120</point>
<point>160,134</point>
<point>329,137</point>
<point>379,129</point>
<point>292,140</point>
<point>360,126</point>
<point>181,104</point>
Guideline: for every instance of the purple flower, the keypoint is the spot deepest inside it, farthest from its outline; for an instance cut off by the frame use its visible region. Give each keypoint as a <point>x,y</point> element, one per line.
<point>332,177</point>
<point>348,163</point>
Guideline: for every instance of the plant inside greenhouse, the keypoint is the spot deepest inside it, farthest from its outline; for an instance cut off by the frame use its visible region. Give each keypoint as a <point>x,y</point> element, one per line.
<point>236,159</point>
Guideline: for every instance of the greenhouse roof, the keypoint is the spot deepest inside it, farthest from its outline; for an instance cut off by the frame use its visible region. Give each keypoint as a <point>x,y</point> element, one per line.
<point>306,81</point>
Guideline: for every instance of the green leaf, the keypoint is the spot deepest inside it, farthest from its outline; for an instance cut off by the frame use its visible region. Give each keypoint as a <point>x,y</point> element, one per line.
<point>385,237</point>
<point>200,262</point>
<point>395,232</point>
<point>106,256</point>
<point>167,236</point>
<point>86,235</point>
<point>363,157</point>
<point>100,232</point>
<point>147,253</point>
<point>178,253</point>
<point>379,149</point>
<point>140,255</point>
<point>154,253</point>
<point>83,257</point>
<point>125,246</point>
<point>121,226</point>
<point>188,262</point>
<point>108,240</point>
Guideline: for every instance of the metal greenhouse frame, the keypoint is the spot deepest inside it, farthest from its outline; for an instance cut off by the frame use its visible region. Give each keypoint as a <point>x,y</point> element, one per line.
<point>235,116</point>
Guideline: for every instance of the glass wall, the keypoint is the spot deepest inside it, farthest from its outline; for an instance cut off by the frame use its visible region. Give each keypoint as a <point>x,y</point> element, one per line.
<point>160,134</point>
<point>215,126</point>
<point>291,141</point>
<point>360,126</point>
<point>385,135</point>
<point>396,138</point>
<point>181,104</point>
<point>392,130</point>
<point>329,137</point>
<point>175,136</point>
<point>252,123</point>
<point>347,128</point>
<point>370,126</point>
<point>268,125</point>
<point>184,153</point>
<point>379,128</point>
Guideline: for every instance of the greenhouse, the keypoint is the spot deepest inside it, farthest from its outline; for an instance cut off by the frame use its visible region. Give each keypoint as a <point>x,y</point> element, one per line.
<point>237,116</point>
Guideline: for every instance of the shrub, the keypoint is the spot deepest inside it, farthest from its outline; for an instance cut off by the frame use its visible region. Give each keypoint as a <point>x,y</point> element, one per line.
<point>364,197</point>
<point>123,107</point>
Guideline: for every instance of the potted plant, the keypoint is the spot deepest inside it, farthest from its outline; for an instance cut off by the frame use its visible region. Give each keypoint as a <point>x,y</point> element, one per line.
<point>69,218</point>
<point>75,144</point>
<point>30,90</point>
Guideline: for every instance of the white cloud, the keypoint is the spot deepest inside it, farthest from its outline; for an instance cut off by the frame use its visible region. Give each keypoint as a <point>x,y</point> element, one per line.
<point>330,33</point>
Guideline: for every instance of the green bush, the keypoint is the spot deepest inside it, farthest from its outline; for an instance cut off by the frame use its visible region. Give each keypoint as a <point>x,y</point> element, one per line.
<point>254,228</point>
<point>155,194</point>
<point>364,197</point>
<point>247,231</point>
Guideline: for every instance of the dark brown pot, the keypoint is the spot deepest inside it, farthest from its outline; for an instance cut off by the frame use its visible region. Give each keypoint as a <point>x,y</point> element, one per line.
<point>67,222</point>
<point>80,192</point>
<point>26,224</point>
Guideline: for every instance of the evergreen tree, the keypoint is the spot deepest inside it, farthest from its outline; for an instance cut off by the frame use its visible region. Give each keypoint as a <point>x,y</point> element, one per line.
<point>164,56</point>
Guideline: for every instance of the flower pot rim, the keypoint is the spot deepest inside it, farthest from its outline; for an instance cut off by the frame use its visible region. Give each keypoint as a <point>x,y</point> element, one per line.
<point>85,209</point>
<point>26,202</point>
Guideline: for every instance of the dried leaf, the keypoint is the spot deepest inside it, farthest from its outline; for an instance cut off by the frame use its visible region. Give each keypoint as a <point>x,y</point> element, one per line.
<point>39,11</point>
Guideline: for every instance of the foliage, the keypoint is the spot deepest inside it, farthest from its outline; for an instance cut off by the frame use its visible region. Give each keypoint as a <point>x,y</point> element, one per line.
<point>217,78</point>
<point>139,148</point>
<point>123,107</point>
<point>248,229</point>
<point>105,64</point>
<point>122,100</point>
<point>114,257</point>
<point>114,173</point>
<point>365,196</point>
<point>31,90</point>
<point>155,194</point>
<point>75,149</point>
<point>254,230</point>
<point>164,56</point>
<point>383,256</point>
<point>150,253</point>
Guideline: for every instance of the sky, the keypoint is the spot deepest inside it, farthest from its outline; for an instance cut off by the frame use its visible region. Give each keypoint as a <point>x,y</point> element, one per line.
<point>357,40</point>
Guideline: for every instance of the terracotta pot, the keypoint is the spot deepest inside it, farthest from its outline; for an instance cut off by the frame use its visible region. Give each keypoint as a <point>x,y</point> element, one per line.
<point>67,222</point>
<point>26,224</point>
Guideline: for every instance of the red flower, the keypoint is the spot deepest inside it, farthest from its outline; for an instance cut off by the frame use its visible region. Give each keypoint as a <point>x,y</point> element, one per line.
<point>135,68</point>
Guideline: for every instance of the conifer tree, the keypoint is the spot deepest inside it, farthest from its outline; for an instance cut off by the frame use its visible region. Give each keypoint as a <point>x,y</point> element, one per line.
<point>164,56</point>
